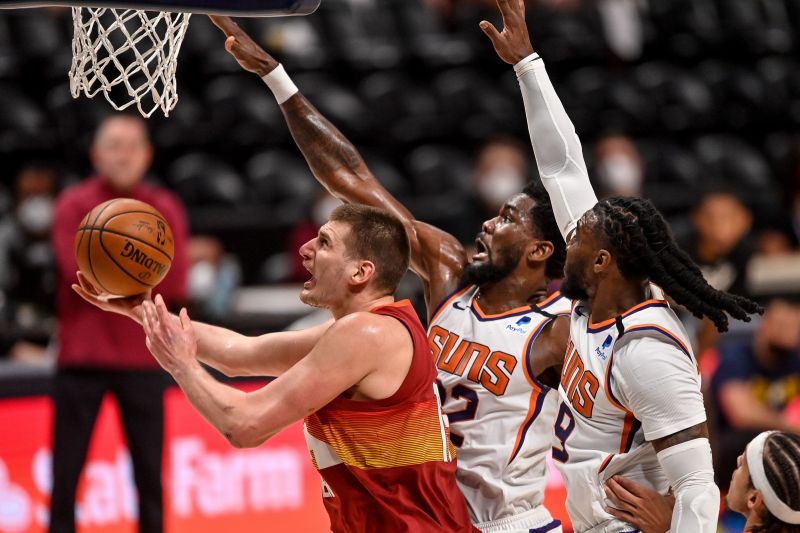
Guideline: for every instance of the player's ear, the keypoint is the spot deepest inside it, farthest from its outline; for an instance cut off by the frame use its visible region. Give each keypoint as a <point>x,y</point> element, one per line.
<point>364,272</point>
<point>539,251</point>
<point>602,261</point>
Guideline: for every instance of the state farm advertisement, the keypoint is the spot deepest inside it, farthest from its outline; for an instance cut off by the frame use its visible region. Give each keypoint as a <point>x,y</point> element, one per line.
<point>209,485</point>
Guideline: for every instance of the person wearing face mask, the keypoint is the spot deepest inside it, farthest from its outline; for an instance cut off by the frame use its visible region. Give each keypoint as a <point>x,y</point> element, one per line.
<point>619,166</point>
<point>27,277</point>
<point>757,384</point>
<point>99,352</point>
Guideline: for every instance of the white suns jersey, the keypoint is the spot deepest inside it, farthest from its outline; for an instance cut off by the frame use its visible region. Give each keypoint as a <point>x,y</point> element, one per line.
<point>625,382</point>
<point>501,416</point>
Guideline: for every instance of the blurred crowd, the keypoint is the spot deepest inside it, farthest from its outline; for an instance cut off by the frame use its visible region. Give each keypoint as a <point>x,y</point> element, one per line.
<point>692,103</point>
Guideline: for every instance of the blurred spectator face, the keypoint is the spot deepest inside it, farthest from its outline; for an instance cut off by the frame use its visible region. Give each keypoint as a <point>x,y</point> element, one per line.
<point>35,189</point>
<point>501,172</point>
<point>721,221</point>
<point>121,153</point>
<point>778,335</point>
<point>774,242</point>
<point>619,166</point>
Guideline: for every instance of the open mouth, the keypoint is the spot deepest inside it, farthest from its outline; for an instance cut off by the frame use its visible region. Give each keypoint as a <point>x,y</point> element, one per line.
<point>481,251</point>
<point>311,281</point>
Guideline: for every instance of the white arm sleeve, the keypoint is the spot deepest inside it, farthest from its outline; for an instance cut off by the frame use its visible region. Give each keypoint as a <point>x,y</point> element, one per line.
<point>690,472</point>
<point>556,145</point>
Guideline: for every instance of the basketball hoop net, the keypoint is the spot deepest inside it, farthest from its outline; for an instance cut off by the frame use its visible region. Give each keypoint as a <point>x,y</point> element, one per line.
<point>129,55</point>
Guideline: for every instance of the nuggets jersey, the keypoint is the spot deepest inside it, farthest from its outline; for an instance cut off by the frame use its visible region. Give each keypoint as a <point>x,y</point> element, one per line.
<point>387,465</point>
<point>625,382</point>
<point>500,415</point>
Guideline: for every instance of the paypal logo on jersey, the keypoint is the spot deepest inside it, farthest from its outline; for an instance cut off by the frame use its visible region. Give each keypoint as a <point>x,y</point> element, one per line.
<point>601,351</point>
<point>521,326</point>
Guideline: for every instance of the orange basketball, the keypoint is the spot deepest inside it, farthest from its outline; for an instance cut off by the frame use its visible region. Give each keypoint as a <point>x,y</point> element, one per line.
<point>124,247</point>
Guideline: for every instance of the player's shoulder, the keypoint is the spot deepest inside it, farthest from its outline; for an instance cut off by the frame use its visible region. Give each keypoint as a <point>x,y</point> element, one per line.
<point>556,304</point>
<point>365,328</point>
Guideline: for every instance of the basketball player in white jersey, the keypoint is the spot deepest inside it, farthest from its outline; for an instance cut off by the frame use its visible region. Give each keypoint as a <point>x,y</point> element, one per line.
<point>630,399</point>
<point>494,331</point>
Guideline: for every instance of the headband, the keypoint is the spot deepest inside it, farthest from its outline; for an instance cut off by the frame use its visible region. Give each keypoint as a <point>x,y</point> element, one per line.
<point>755,462</point>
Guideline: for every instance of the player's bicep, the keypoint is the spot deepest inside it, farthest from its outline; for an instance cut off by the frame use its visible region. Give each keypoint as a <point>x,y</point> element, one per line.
<point>438,259</point>
<point>339,361</point>
<point>660,385</point>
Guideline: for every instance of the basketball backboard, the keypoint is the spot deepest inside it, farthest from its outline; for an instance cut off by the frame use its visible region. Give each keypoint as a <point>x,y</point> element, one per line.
<point>236,8</point>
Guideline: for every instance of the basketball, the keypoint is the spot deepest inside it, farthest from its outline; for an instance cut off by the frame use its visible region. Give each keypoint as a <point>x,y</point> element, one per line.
<point>124,247</point>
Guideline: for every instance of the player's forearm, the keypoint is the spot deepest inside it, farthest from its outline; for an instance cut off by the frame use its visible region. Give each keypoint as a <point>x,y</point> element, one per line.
<point>689,470</point>
<point>333,159</point>
<point>558,151</point>
<point>228,409</point>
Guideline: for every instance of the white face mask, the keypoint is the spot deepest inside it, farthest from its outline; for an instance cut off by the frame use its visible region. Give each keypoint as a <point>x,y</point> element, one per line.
<point>619,173</point>
<point>322,210</point>
<point>498,185</point>
<point>35,214</point>
<point>202,278</point>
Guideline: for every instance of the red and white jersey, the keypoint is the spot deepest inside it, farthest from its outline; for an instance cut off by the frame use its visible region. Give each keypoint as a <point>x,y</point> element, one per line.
<point>625,382</point>
<point>501,416</point>
<point>387,465</point>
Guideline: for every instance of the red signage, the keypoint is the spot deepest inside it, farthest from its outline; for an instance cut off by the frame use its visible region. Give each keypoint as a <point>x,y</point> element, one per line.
<point>209,486</point>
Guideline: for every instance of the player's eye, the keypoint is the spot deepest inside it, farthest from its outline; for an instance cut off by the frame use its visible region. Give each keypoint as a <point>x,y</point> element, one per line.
<point>506,218</point>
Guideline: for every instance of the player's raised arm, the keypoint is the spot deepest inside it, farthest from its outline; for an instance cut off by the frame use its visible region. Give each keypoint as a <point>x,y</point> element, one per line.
<point>229,352</point>
<point>436,256</point>
<point>556,145</point>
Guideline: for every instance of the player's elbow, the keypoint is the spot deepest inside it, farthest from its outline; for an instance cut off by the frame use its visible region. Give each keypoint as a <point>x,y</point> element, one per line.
<point>244,436</point>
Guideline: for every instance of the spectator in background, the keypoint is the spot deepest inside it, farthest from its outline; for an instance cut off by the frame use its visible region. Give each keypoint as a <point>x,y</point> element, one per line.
<point>501,170</point>
<point>618,166</point>
<point>213,278</point>
<point>757,384</point>
<point>304,231</point>
<point>721,245</point>
<point>100,352</point>
<point>27,274</point>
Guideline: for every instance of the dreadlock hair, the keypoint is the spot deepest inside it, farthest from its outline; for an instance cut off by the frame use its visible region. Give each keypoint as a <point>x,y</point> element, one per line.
<point>544,223</point>
<point>782,467</point>
<point>643,246</point>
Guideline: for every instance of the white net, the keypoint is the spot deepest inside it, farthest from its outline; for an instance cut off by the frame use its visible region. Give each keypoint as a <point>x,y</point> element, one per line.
<point>129,55</point>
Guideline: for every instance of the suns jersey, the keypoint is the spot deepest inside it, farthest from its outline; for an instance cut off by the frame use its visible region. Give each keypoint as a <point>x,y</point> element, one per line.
<point>501,416</point>
<point>625,382</point>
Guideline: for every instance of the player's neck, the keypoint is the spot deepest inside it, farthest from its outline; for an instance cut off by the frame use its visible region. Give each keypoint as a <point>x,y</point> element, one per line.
<point>613,298</point>
<point>360,303</point>
<point>511,292</point>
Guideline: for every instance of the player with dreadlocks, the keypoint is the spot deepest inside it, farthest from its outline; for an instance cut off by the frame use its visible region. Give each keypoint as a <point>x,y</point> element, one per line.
<point>763,488</point>
<point>630,390</point>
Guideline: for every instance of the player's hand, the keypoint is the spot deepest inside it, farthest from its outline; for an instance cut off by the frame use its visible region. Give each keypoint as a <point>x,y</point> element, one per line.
<point>250,55</point>
<point>172,342</point>
<point>642,507</point>
<point>130,306</point>
<point>513,44</point>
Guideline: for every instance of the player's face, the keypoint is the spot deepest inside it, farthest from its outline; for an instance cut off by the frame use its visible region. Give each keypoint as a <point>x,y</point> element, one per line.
<point>501,245</point>
<point>325,257</point>
<point>121,152</point>
<point>740,487</point>
<point>581,251</point>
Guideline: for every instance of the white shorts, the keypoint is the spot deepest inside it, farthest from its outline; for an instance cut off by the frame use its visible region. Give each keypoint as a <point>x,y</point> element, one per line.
<point>536,520</point>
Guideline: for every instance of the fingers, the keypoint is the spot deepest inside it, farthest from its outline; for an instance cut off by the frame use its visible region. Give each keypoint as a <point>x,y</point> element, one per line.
<point>186,322</point>
<point>85,295</point>
<point>226,24</point>
<point>161,309</point>
<point>230,42</point>
<point>630,486</point>
<point>85,284</point>
<point>490,31</point>
<point>622,495</point>
<point>622,515</point>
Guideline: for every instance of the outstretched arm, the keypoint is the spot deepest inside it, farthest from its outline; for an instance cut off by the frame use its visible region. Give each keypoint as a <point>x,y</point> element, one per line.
<point>338,362</point>
<point>556,145</point>
<point>229,352</point>
<point>436,256</point>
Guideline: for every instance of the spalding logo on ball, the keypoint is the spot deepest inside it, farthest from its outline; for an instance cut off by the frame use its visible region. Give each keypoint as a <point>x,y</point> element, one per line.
<point>124,247</point>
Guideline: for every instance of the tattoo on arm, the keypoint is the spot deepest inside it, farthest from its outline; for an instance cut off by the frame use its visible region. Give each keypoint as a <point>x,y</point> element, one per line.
<point>700,431</point>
